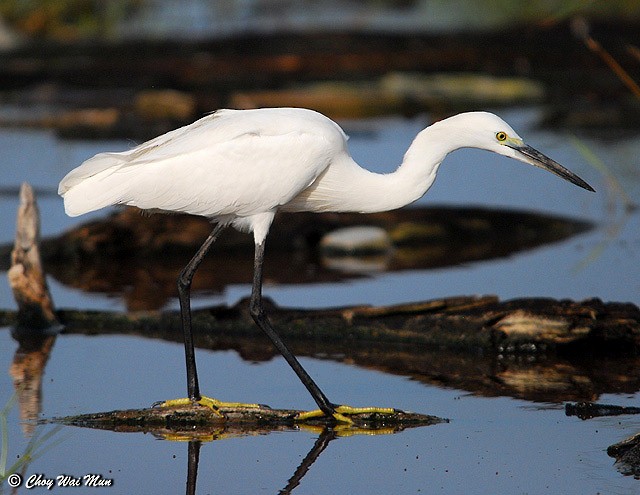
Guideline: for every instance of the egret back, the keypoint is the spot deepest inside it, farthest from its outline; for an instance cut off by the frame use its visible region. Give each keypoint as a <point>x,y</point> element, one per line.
<point>231,163</point>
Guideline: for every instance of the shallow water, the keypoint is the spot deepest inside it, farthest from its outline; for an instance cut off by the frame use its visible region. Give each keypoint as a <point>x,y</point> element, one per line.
<point>491,445</point>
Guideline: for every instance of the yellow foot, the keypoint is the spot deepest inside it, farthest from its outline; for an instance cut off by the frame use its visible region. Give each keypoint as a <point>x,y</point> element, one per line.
<point>341,413</point>
<point>214,404</point>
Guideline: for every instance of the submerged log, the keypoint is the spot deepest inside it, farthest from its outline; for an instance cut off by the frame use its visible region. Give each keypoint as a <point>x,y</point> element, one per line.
<point>194,421</point>
<point>589,410</point>
<point>26,276</point>
<point>525,326</point>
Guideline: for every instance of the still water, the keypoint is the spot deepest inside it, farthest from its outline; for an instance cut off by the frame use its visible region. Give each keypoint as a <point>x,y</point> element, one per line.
<point>491,445</point>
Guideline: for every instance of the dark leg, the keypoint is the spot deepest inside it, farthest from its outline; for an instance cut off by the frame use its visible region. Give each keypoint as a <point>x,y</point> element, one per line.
<point>321,443</point>
<point>184,294</point>
<point>193,454</point>
<point>259,316</point>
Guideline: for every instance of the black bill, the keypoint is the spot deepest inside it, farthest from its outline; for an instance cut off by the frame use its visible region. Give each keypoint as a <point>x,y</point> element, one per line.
<point>534,157</point>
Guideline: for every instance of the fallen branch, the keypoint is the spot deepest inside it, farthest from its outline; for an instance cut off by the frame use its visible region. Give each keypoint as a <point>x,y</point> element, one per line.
<point>529,326</point>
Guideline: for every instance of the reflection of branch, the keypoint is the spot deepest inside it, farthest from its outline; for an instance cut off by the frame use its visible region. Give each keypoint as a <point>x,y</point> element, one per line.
<point>320,444</point>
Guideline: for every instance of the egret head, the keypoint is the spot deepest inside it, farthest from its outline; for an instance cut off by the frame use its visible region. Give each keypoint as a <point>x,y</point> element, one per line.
<point>490,132</point>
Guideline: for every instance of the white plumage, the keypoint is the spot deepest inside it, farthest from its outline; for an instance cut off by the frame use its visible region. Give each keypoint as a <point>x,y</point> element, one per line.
<point>234,164</point>
<point>238,167</point>
<point>228,163</point>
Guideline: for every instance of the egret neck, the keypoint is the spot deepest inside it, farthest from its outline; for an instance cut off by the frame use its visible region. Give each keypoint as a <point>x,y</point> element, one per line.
<point>346,186</point>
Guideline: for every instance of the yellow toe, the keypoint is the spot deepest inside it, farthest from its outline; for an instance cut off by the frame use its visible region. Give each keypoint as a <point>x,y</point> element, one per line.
<point>214,404</point>
<point>341,413</point>
<point>217,404</point>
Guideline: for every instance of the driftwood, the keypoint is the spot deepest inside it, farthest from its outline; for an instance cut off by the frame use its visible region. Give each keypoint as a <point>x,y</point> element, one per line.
<point>451,234</point>
<point>533,326</point>
<point>197,425</point>
<point>627,455</point>
<point>533,349</point>
<point>526,326</point>
<point>564,351</point>
<point>36,319</point>
<point>198,422</point>
<point>26,276</point>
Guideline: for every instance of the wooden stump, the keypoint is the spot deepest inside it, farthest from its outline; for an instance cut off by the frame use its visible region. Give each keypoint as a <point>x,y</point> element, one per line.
<point>26,277</point>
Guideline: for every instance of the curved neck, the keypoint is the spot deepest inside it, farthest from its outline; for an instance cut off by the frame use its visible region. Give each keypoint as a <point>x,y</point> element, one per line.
<point>418,169</point>
<point>345,186</point>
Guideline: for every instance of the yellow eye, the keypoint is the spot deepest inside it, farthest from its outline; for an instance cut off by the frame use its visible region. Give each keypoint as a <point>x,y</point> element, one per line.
<point>501,136</point>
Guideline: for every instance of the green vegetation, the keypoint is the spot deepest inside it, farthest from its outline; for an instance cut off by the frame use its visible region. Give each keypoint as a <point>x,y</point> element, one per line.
<point>38,444</point>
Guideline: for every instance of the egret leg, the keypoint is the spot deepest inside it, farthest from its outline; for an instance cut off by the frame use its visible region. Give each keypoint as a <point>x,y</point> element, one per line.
<point>326,407</point>
<point>258,314</point>
<point>184,295</point>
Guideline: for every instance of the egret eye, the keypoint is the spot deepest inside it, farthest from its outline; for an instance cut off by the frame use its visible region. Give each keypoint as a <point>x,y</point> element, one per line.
<point>501,136</point>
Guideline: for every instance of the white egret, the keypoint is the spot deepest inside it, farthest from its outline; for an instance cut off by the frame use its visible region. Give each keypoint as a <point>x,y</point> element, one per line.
<point>239,167</point>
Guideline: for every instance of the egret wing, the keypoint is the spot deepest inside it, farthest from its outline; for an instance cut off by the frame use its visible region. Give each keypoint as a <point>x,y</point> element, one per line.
<point>242,177</point>
<point>229,163</point>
